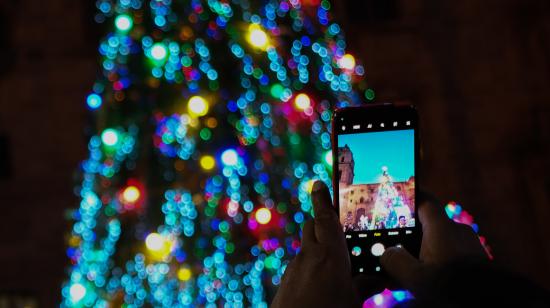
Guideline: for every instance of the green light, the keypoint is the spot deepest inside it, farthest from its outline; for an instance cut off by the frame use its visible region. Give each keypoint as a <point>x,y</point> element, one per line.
<point>224,226</point>
<point>123,22</point>
<point>281,208</point>
<point>369,94</point>
<point>205,134</point>
<point>277,90</point>
<point>109,137</point>
<point>230,248</point>
<point>158,51</point>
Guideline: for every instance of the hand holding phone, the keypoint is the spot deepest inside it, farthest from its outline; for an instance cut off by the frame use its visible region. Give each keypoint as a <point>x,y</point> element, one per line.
<point>319,276</point>
<point>375,150</point>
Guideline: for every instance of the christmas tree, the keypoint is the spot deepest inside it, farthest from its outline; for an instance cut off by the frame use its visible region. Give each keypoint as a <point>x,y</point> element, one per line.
<point>389,205</point>
<point>209,122</point>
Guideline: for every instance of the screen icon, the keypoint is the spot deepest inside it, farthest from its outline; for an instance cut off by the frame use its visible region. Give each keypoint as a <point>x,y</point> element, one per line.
<point>408,123</point>
<point>377,249</point>
<point>356,126</point>
<point>381,124</point>
<point>369,126</point>
<point>394,124</point>
<point>343,127</point>
<point>356,251</point>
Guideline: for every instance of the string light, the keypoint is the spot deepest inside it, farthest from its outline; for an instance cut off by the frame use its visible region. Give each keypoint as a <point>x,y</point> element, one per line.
<point>302,101</point>
<point>207,162</point>
<point>263,216</point>
<point>123,22</point>
<point>184,274</point>
<point>109,137</point>
<point>197,106</point>
<point>77,292</point>
<point>159,246</point>
<point>347,62</point>
<point>230,157</point>
<point>154,242</point>
<point>257,37</point>
<point>94,101</point>
<point>158,51</point>
<point>130,194</point>
<point>328,157</point>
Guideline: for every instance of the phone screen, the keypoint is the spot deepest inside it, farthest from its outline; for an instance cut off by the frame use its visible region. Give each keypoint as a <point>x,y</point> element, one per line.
<point>376,191</point>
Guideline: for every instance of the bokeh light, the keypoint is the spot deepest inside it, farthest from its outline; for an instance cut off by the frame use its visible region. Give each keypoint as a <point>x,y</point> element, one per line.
<point>302,101</point>
<point>94,101</point>
<point>123,22</point>
<point>230,157</point>
<point>130,194</point>
<point>328,157</point>
<point>184,274</point>
<point>110,137</point>
<point>257,37</point>
<point>263,216</point>
<point>159,52</point>
<point>77,292</point>
<point>198,106</point>
<point>154,242</point>
<point>207,162</point>
<point>347,62</point>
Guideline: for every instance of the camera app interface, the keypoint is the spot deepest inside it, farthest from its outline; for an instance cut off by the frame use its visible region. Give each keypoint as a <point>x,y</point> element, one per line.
<point>376,180</point>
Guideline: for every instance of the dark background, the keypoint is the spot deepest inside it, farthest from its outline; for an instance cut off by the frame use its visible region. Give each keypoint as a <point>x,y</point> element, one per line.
<point>479,71</point>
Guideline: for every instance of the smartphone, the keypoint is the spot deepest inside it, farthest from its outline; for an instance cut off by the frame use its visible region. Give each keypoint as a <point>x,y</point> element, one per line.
<point>375,163</point>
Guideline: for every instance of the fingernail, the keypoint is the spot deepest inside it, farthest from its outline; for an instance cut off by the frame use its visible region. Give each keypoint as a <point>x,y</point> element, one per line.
<point>317,186</point>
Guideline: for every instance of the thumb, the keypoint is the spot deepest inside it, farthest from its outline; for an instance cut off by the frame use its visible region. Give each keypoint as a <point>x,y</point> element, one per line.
<point>402,267</point>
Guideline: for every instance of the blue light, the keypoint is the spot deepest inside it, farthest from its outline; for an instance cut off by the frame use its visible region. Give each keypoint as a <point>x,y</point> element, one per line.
<point>94,101</point>
<point>400,295</point>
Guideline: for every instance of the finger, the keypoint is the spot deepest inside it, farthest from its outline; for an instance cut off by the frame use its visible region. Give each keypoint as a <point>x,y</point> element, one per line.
<point>432,216</point>
<point>327,227</point>
<point>401,266</point>
<point>291,269</point>
<point>367,286</point>
<point>470,246</point>
<point>308,235</point>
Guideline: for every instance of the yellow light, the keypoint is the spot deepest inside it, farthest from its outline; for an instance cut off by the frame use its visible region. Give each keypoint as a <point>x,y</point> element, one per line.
<point>347,62</point>
<point>130,194</point>
<point>159,246</point>
<point>207,162</point>
<point>74,241</point>
<point>257,37</point>
<point>184,274</point>
<point>309,186</point>
<point>154,241</point>
<point>198,106</point>
<point>302,101</point>
<point>263,216</point>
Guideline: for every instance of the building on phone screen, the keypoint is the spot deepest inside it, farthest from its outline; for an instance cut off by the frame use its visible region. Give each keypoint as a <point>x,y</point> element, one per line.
<point>382,205</point>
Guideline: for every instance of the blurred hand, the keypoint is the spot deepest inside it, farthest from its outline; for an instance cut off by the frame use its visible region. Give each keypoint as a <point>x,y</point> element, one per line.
<point>443,242</point>
<point>320,275</point>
